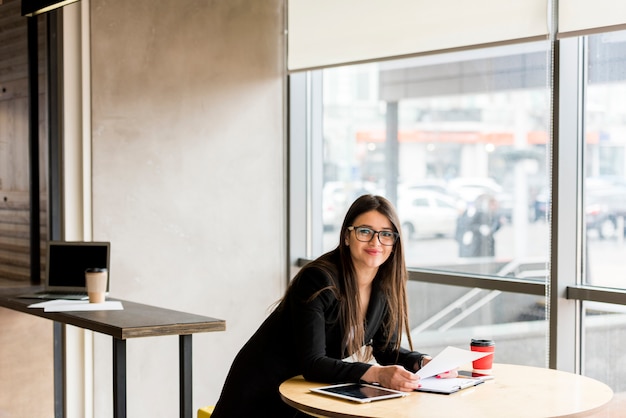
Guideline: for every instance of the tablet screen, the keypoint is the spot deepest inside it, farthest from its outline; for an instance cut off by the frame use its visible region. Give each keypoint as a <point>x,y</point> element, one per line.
<point>359,392</point>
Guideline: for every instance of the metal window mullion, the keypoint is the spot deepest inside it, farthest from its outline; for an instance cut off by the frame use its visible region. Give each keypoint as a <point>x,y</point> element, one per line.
<point>565,338</point>
<point>597,294</point>
<point>522,286</point>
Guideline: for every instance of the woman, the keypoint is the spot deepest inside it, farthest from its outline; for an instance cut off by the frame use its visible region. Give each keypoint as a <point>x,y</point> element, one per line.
<point>350,297</point>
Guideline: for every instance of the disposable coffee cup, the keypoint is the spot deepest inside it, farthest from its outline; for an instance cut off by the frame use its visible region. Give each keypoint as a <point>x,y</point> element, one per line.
<point>96,279</point>
<point>484,363</point>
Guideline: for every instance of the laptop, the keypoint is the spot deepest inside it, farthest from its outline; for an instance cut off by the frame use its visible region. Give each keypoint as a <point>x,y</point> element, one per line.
<point>66,262</point>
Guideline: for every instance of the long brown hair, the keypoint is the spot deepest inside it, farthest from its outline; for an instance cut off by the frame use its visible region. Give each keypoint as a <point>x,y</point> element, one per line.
<point>391,277</point>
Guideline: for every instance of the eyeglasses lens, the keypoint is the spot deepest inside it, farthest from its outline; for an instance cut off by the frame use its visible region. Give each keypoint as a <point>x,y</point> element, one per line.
<point>385,237</point>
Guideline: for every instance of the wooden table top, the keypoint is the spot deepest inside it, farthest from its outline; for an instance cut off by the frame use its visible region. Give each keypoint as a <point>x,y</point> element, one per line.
<point>516,391</point>
<point>135,320</point>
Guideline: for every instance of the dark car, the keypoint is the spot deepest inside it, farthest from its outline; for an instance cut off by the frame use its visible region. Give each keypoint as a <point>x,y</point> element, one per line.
<point>605,211</point>
<point>541,205</point>
<point>605,206</point>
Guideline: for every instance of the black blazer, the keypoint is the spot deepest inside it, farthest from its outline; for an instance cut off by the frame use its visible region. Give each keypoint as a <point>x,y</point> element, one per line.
<point>302,337</point>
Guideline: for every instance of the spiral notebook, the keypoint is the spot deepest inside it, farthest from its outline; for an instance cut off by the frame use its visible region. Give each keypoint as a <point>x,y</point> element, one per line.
<point>448,386</point>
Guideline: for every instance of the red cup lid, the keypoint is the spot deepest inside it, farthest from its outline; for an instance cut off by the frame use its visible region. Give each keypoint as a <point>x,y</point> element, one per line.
<point>482,343</point>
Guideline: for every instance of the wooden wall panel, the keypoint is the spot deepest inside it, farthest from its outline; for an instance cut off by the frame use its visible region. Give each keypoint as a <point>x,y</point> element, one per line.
<point>26,366</point>
<point>14,142</point>
<point>13,42</point>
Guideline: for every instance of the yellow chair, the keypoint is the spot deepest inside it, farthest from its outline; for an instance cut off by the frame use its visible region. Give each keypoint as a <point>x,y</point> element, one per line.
<point>205,412</point>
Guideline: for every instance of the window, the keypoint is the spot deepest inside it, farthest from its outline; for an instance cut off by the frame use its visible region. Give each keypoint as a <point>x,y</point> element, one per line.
<point>508,169</point>
<point>444,315</point>
<point>605,159</point>
<point>459,143</point>
<point>23,183</point>
<point>604,192</point>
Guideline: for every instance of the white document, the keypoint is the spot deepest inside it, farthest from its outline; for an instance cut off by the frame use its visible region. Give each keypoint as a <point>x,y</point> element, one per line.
<point>62,305</point>
<point>449,359</point>
<point>48,303</point>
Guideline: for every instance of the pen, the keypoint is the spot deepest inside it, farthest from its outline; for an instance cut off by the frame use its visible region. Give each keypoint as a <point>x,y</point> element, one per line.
<point>470,383</point>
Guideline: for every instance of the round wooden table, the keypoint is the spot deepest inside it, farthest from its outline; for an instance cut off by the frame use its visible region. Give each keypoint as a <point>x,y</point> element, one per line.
<point>516,391</point>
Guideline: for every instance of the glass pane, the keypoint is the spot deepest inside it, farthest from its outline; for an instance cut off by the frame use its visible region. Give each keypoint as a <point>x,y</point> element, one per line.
<point>452,315</point>
<point>458,143</point>
<point>605,160</point>
<point>604,357</point>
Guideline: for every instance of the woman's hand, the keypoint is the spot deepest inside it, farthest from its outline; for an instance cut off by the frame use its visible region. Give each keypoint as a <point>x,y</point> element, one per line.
<point>392,377</point>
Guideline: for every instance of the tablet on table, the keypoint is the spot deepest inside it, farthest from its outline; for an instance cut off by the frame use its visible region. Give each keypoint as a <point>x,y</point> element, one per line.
<point>359,392</point>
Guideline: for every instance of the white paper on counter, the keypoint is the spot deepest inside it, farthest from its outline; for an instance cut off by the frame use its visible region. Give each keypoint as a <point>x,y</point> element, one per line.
<point>62,305</point>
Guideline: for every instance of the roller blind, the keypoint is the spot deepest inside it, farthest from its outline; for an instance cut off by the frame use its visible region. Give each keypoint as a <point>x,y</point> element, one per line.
<point>579,17</point>
<point>331,32</point>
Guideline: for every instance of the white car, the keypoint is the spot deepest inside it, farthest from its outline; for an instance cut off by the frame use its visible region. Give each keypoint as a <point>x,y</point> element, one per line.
<point>424,213</point>
<point>337,196</point>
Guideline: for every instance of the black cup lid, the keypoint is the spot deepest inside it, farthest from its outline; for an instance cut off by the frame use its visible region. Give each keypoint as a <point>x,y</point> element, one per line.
<point>96,270</point>
<point>482,343</point>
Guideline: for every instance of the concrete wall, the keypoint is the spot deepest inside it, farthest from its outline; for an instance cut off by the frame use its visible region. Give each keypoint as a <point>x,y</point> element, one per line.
<point>188,179</point>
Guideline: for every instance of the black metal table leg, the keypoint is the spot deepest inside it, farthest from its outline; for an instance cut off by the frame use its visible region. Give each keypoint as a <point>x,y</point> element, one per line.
<point>184,349</point>
<point>119,378</point>
<point>59,368</point>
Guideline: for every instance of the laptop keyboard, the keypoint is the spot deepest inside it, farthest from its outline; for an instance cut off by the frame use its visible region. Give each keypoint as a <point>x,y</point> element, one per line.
<point>61,295</point>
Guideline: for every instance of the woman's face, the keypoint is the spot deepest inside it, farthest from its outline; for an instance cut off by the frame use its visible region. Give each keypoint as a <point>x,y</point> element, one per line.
<point>372,254</point>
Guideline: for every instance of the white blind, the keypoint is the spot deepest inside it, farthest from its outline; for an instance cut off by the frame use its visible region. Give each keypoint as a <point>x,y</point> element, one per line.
<point>330,32</point>
<point>577,17</point>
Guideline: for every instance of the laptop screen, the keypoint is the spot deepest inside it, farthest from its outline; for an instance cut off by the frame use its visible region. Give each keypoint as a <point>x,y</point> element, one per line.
<point>67,262</point>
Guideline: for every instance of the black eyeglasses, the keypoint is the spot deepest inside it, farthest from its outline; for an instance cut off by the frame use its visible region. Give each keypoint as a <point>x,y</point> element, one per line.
<point>365,234</point>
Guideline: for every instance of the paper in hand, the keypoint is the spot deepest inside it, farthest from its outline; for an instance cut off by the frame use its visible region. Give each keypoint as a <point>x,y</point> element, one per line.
<point>449,359</point>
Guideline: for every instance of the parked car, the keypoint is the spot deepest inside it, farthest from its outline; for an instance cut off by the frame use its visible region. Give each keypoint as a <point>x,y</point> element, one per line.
<point>541,205</point>
<point>605,204</point>
<point>337,196</point>
<point>425,213</point>
<point>434,185</point>
<point>603,210</point>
